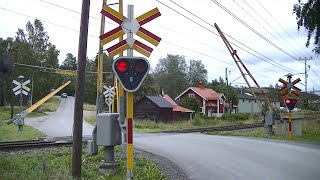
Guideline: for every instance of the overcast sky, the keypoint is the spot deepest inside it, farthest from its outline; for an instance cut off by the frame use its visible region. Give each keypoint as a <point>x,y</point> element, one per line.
<point>271,19</point>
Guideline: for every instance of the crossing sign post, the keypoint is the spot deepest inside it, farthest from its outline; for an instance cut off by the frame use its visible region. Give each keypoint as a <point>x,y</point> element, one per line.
<point>108,95</point>
<point>130,26</point>
<point>127,26</point>
<point>21,89</point>
<point>290,93</point>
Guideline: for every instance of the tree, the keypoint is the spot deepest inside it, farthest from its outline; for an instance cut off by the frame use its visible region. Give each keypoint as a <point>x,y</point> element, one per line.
<point>149,87</point>
<point>228,91</point>
<point>171,74</point>
<point>34,48</point>
<point>174,75</point>
<point>190,103</point>
<point>308,16</point>
<point>70,63</point>
<point>196,73</point>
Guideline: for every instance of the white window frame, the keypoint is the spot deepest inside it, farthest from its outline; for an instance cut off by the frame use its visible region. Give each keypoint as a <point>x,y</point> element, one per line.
<point>221,101</point>
<point>191,95</point>
<point>201,109</point>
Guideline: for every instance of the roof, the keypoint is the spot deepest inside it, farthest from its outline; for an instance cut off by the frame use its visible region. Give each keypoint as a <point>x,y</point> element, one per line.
<point>244,96</point>
<point>168,98</point>
<point>176,107</point>
<point>160,101</point>
<point>211,104</point>
<point>205,93</point>
<point>181,109</point>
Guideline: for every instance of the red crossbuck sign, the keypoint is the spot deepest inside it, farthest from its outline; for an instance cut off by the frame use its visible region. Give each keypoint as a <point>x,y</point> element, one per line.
<point>130,26</point>
<point>289,89</point>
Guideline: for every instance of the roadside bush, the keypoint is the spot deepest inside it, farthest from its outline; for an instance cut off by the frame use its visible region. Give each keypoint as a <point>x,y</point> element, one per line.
<point>198,120</point>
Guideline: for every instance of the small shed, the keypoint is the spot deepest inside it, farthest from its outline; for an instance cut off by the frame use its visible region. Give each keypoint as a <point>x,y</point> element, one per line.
<point>179,112</point>
<point>154,108</point>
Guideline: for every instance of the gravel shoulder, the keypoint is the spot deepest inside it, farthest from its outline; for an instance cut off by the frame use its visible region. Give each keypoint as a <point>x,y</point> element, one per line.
<point>172,171</point>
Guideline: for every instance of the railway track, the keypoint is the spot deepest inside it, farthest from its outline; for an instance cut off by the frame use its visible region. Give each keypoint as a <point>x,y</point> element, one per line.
<point>67,141</point>
<point>220,128</point>
<point>19,145</point>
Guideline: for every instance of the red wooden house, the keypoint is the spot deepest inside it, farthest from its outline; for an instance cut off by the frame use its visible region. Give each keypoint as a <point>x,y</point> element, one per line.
<point>211,103</point>
<point>178,112</point>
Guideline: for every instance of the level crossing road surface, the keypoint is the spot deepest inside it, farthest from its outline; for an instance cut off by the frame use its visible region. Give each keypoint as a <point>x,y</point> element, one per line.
<point>213,157</point>
<point>59,123</point>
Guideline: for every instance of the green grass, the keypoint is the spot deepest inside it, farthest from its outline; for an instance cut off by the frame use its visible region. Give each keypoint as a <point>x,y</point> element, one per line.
<point>51,105</point>
<point>196,122</point>
<point>58,166</point>
<point>90,117</point>
<point>89,107</point>
<point>11,133</point>
<point>310,129</point>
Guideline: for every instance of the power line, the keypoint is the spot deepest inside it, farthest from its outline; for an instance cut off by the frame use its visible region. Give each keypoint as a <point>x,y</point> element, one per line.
<point>232,64</point>
<point>261,24</point>
<point>252,29</point>
<point>97,37</point>
<point>45,21</point>
<point>281,26</point>
<point>281,67</point>
<point>71,10</point>
<point>115,24</point>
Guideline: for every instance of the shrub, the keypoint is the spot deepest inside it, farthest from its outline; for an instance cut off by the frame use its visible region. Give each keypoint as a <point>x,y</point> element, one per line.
<point>235,117</point>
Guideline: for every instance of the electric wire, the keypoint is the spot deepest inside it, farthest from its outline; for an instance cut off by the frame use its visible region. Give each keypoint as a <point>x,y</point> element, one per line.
<point>280,26</point>
<point>115,24</point>
<point>97,37</point>
<point>262,24</point>
<point>281,67</point>
<point>252,29</point>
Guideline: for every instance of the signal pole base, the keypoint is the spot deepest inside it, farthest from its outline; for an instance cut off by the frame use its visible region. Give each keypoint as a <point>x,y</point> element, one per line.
<point>268,131</point>
<point>106,167</point>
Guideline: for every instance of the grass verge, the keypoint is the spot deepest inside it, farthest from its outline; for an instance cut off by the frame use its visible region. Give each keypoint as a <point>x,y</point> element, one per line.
<point>58,166</point>
<point>11,133</point>
<point>196,122</point>
<point>51,105</point>
<point>310,129</point>
<point>89,107</point>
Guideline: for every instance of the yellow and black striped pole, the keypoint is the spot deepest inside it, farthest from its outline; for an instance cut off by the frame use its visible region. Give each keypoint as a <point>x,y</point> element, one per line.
<point>290,125</point>
<point>129,135</point>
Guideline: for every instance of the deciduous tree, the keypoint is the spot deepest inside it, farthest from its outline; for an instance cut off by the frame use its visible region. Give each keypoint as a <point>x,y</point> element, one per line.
<point>308,16</point>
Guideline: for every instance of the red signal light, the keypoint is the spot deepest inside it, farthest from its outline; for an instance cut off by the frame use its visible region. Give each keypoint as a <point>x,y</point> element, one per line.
<point>287,101</point>
<point>122,66</point>
<point>290,103</point>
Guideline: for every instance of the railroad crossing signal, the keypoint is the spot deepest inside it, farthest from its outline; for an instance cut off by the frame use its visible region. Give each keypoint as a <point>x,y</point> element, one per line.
<point>6,66</point>
<point>131,71</point>
<point>126,26</point>
<point>108,95</point>
<point>289,89</point>
<point>21,87</point>
<point>290,103</point>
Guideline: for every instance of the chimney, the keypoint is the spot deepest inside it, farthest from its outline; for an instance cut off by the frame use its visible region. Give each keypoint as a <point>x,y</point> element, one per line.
<point>201,85</point>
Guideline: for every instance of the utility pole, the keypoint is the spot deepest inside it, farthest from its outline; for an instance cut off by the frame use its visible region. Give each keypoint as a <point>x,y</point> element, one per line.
<point>305,73</point>
<point>78,105</point>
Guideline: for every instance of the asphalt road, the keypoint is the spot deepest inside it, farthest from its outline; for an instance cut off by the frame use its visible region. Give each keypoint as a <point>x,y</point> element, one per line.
<point>212,157</point>
<point>59,123</point>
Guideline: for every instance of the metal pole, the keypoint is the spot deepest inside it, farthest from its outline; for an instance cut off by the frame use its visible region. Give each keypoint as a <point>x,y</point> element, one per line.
<point>21,104</point>
<point>12,93</point>
<point>121,102</point>
<point>289,125</point>
<point>130,111</point>
<point>78,108</point>
<point>305,74</point>
<point>100,64</point>
<point>31,95</point>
